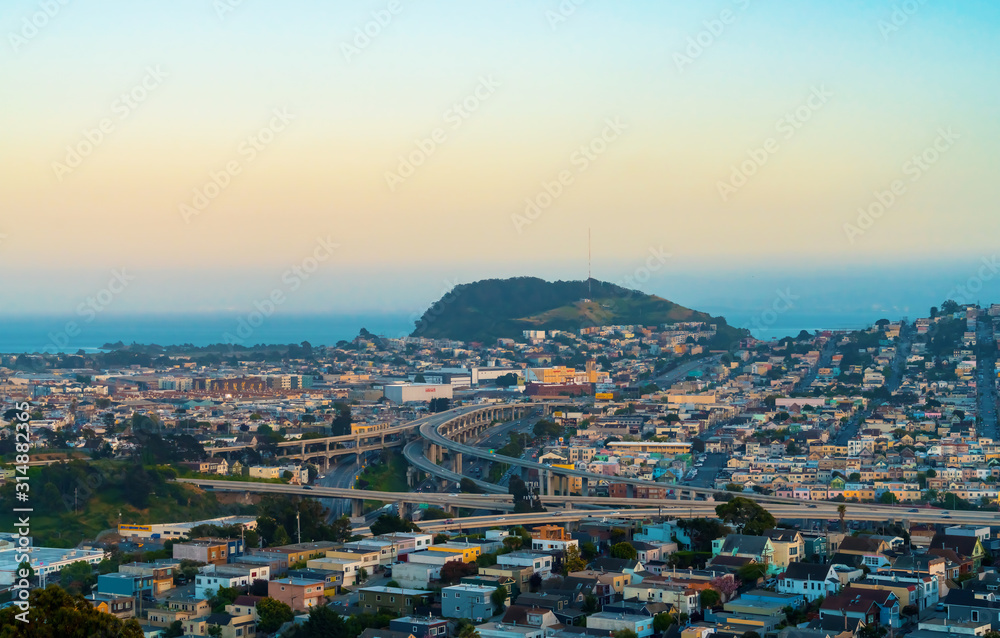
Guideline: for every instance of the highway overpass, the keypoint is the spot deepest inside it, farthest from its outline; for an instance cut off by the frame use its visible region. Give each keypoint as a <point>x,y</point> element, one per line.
<point>819,510</point>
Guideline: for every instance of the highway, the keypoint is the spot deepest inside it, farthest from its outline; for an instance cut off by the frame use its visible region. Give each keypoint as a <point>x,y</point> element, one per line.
<point>804,510</point>
<point>341,475</point>
<point>699,509</point>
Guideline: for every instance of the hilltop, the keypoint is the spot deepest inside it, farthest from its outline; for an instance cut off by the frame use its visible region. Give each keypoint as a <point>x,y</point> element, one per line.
<point>496,308</point>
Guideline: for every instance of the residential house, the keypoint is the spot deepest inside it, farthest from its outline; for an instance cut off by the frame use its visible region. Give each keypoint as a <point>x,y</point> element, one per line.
<point>467,601</point>
<point>811,580</point>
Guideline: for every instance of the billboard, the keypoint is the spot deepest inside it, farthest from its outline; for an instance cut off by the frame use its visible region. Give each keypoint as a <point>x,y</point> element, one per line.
<point>124,528</point>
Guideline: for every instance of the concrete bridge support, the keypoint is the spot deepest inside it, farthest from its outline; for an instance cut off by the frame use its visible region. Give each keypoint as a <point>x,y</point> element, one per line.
<point>357,507</point>
<point>405,511</point>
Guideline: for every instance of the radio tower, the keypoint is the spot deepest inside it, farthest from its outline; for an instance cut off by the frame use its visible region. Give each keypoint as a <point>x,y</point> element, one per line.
<point>589,284</point>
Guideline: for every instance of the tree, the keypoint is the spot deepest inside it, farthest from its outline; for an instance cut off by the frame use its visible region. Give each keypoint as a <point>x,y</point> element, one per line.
<point>590,604</point>
<point>872,631</point>
<point>455,570</point>
<point>725,586</point>
<point>888,498</point>
<point>469,486</point>
<point>662,622</point>
<point>535,582</point>
<point>589,550</point>
<point>389,523</point>
<point>499,598</point>
<point>513,543</point>
<point>748,517</point>
<point>341,424</point>
<point>468,631</point>
<point>215,630</point>
<point>624,550</point>
<point>709,598</point>
<point>273,614</point>
<point>751,572</point>
<point>362,575</point>
<point>624,633</point>
<point>77,578</point>
<point>572,561</point>
<point>54,612</point>
<point>175,630</point>
<point>842,512</point>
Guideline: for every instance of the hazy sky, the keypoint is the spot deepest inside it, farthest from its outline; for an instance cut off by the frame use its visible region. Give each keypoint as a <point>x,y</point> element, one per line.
<point>401,140</point>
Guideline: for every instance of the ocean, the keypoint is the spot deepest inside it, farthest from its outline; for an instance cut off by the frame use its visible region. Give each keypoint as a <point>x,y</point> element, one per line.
<point>71,334</point>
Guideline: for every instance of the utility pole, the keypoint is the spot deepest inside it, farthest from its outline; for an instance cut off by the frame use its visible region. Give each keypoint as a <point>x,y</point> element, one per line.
<point>298,525</point>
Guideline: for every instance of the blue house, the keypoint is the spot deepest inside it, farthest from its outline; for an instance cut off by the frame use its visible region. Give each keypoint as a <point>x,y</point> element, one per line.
<point>124,584</point>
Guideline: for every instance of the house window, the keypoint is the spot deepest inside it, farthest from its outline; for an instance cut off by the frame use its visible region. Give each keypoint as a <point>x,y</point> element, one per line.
<point>975,615</point>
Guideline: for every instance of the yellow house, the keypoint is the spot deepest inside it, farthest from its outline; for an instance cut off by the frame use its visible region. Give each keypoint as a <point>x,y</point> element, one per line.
<point>469,552</point>
<point>575,482</point>
<point>859,493</point>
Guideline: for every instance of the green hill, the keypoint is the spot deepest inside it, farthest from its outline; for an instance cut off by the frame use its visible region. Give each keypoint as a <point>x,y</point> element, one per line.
<point>487,310</point>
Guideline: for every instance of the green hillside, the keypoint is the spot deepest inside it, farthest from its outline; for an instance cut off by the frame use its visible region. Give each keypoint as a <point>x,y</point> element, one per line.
<point>486,310</point>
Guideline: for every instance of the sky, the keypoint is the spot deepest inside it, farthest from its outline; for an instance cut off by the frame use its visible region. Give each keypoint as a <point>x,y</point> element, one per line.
<point>205,155</point>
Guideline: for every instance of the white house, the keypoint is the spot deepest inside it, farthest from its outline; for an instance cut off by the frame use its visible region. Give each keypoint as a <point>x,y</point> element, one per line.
<point>810,580</point>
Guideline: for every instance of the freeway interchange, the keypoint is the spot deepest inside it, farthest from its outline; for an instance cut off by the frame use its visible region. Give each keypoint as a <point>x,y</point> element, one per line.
<point>445,431</point>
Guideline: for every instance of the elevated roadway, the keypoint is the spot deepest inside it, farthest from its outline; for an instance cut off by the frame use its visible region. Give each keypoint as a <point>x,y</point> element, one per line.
<point>819,510</point>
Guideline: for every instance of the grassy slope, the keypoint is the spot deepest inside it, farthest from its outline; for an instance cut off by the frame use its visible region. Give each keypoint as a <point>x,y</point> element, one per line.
<point>484,311</point>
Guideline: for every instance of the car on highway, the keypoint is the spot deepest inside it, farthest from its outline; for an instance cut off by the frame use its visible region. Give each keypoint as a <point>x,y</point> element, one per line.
<point>945,516</point>
<point>913,511</point>
<point>307,487</point>
<point>811,506</point>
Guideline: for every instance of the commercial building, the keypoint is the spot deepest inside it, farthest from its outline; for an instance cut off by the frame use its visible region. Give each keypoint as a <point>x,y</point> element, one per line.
<point>400,393</point>
<point>177,530</point>
<point>612,622</point>
<point>44,560</point>
<point>213,551</point>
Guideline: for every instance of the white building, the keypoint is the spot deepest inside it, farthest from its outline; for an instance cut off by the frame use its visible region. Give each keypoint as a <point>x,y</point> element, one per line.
<point>612,622</point>
<point>45,561</point>
<point>540,563</point>
<point>400,393</point>
<point>810,580</point>
<point>548,543</point>
<point>215,576</point>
